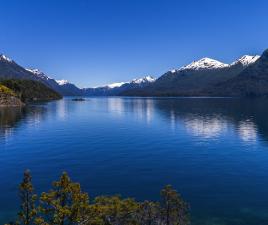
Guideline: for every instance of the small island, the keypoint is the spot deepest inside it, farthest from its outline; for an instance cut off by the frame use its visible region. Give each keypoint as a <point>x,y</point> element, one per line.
<point>78,99</point>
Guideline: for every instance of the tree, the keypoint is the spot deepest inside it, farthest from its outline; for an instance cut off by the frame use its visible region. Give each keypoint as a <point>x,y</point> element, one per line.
<point>174,210</point>
<point>65,203</point>
<point>28,199</point>
<point>149,213</point>
<point>114,210</point>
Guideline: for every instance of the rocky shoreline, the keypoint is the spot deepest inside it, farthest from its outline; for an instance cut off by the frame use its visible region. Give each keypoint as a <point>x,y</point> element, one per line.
<point>7,100</point>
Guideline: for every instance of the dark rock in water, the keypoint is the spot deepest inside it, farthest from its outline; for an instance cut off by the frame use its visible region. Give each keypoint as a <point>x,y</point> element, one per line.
<point>78,99</point>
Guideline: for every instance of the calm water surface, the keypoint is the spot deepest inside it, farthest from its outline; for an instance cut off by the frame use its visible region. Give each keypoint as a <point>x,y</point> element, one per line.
<point>213,151</point>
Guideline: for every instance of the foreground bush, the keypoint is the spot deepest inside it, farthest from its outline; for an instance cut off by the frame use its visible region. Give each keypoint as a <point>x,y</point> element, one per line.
<point>66,204</point>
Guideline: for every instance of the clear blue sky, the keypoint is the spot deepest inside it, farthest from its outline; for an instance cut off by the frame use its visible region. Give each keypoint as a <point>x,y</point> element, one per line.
<point>92,42</point>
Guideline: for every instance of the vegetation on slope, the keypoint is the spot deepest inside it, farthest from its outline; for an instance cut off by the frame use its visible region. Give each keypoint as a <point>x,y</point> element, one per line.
<point>66,204</point>
<point>8,97</point>
<point>5,90</point>
<point>29,90</point>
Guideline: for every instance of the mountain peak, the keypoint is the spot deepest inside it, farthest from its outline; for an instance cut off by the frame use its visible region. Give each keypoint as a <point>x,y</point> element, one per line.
<point>143,80</point>
<point>204,63</point>
<point>246,60</point>
<point>146,79</point>
<point>39,73</point>
<point>5,58</point>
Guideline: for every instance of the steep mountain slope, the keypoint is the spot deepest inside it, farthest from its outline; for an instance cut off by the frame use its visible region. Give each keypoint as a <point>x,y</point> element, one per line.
<point>191,79</point>
<point>30,90</point>
<point>45,79</point>
<point>118,88</point>
<point>9,69</point>
<point>64,88</point>
<point>251,82</point>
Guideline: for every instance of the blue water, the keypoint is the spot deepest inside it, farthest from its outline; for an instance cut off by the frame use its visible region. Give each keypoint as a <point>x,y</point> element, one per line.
<point>214,151</point>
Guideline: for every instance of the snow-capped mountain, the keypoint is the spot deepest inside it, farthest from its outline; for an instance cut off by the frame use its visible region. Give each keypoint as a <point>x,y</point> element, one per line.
<point>246,60</point>
<point>251,82</point>
<point>212,64</point>
<point>138,81</point>
<point>187,80</point>
<point>204,64</point>
<point>39,74</point>
<point>117,88</point>
<point>5,58</point>
<point>192,79</point>
<point>147,79</point>
<point>9,69</point>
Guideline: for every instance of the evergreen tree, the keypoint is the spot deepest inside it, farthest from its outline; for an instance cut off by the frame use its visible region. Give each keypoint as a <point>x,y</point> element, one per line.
<point>28,199</point>
<point>114,210</point>
<point>149,213</point>
<point>64,204</point>
<point>174,210</point>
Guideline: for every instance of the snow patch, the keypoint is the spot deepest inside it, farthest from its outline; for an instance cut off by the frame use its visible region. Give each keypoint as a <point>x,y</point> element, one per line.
<point>147,79</point>
<point>62,82</point>
<point>208,63</point>
<point>39,74</point>
<point>246,60</point>
<point>204,63</point>
<point>114,85</point>
<point>5,58</point>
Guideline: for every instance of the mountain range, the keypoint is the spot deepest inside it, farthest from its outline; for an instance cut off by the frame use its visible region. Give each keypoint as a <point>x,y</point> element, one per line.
<point>9,69</point>
<point>247,76</point>
<point>195,79</point>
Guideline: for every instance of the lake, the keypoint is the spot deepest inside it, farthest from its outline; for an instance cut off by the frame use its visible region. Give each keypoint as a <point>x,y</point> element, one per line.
<point>214,151</point>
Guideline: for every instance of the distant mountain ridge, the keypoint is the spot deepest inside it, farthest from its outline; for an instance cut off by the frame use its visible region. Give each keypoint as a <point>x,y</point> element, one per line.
<point>193,79</point>
<point>117,88</point>
<point>204,77</point>
<point>9,69</point>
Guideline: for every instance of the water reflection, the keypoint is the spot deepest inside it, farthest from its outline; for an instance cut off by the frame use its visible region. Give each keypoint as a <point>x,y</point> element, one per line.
<point>205,127</point>
<point>94,139</point>
<point>143,108</point>
<point>205,118</point>
<point>12,117</point>
<point>202,117</point>
<point>209,118</point>
<point>8,118</point>
<point>247,131</point>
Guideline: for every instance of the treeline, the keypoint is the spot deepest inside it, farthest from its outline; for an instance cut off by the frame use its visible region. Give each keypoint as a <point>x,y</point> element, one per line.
<point>67,204</point>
